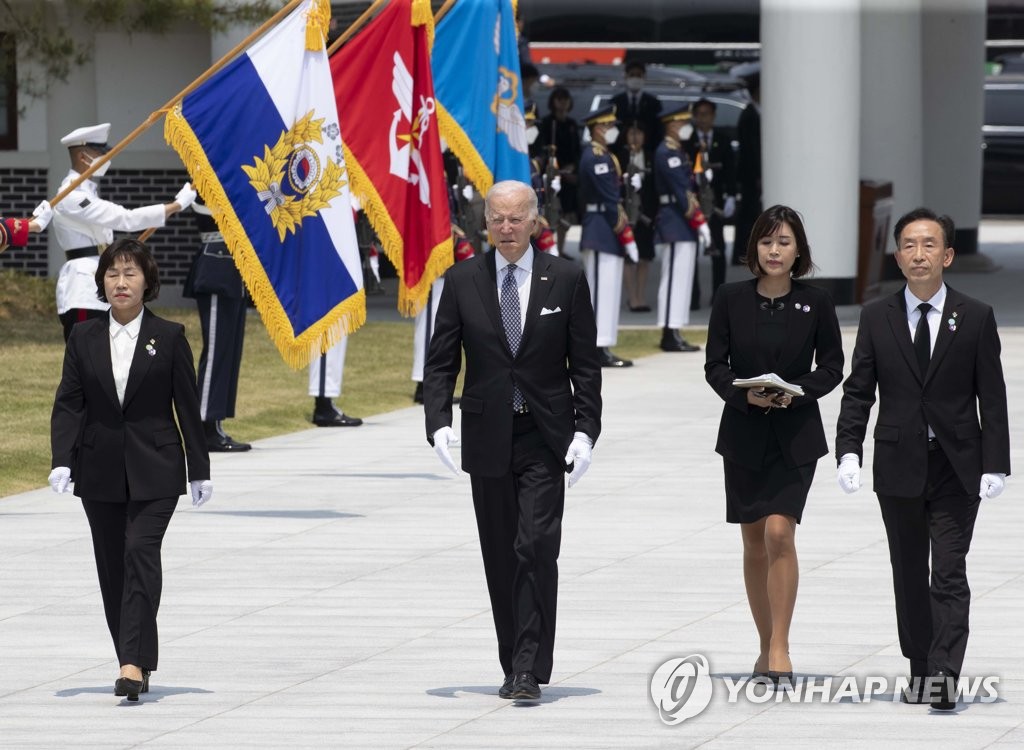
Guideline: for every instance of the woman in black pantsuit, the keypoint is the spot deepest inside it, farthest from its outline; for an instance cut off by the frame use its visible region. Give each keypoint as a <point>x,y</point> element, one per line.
<point>770,444</point>
<point>113,433</point>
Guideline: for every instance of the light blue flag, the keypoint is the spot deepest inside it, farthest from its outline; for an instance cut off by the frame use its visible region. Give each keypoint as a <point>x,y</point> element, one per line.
<point>478,91</point>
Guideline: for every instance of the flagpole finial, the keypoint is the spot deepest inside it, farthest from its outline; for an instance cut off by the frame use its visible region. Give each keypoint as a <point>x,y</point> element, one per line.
<point>318,21</point>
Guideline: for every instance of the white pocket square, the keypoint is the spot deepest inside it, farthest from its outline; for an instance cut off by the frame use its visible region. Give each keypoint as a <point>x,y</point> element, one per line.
<point>545,311</point>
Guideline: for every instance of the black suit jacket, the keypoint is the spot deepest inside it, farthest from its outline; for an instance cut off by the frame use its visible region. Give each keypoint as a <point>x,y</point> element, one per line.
<point>106,444</point>
<point>556,368</point>
<point>647,114</point>
<point>721,160</point>
<point>732,352</point>
<point>964,379</point>
<point>748,170</point>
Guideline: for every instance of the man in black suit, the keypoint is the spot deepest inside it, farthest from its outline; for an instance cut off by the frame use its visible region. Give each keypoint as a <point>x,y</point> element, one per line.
<point>715,173</point>
<point>933,355</point>
<point>531,409</point>
<point>748,168</point>
<point>634,106</point>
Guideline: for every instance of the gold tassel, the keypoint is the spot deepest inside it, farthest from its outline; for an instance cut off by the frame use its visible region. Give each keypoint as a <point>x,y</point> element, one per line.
<point>423,16</point>
<point>460,144</point>
<point>318,21</point>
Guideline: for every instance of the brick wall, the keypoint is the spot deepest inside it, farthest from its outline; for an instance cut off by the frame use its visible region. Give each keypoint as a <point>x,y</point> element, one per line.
<point>173,245</point>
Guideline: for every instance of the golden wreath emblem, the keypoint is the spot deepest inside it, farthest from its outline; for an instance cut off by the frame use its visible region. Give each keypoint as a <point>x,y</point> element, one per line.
<point>293,161</point>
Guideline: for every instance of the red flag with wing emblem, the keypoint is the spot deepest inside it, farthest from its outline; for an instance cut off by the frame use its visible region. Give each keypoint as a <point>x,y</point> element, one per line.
<point>385,94</point>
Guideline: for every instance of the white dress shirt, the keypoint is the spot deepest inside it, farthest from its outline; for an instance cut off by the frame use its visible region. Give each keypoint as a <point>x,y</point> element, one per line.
<point>123,339</point>
<point>524,276</point>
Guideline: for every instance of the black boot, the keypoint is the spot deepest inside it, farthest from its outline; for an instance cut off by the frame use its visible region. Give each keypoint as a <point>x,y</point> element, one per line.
<point>217,441</point>
<point>611,359</point>
<point>326,414</point>
<point>671,341</point>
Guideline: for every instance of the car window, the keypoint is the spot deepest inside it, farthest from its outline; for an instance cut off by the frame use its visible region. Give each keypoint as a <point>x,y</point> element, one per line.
<point>1004,104</point>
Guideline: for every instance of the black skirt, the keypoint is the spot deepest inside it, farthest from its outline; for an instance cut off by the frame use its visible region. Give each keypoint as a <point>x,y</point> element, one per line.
<point>750,494</point>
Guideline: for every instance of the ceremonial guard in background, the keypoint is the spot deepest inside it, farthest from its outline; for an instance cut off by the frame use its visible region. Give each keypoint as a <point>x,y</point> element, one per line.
<point>676,228</point>
<point>607,237</point>
<point>325,375</point>
<point>216,286</point>
<point>546,183</point>
<point>715,173</point>
<point>640,201</point>
<point>560,135</point>
<point>85,224</point>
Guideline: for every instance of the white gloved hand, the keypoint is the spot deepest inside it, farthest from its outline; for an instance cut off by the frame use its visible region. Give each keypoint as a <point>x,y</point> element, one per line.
<point>467,192</point>
<point>579,455</point>
<point>632,252</point>
<point>636,180</point>
<point>730,207</point>
<point>202,491</point>
<point>849,473</point>
<point>42,214</point>
<point>186,196</point>
<point>556,184</point>
<point>444,437</point>
<point>59,479</point>
<point>705,234</point>
<point>357,206</point>
<point>992,486</point>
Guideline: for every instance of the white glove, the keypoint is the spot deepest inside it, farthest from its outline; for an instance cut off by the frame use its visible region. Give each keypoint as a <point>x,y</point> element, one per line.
<point>357,206</point>
<point>992,485</point>
<point>633,252</point>
<point>467,192</point>
<point>61,476</point>
<point>849,473</point>
<point>186,196</point>
<point>202,491</point>
<point>705,234</point>
<point>730,207</point>
<point>579,456</point>
<point>42,213</point>
<point>556,184</point>
<point>444,437</point>
<point>636,180</point>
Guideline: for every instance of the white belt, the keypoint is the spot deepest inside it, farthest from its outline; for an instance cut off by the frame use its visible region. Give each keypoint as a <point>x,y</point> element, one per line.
<point>208,238</point>
<point>594,207</point>
<point>666,199</point>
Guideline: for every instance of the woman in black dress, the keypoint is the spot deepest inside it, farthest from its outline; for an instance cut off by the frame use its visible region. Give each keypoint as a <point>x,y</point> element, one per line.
<point>771,443</point>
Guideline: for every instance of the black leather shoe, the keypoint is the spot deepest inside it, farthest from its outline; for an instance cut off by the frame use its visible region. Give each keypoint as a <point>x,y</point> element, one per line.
<point>505,691</point>
<point>326,414</point>
<point>611,359</point>
<point>417,395</point>
<point>914,693</point>
<point>218,441</point>
<point>128,688</point>
<point>672,341</point>
<point>525,687</point>
<point>942,690</point>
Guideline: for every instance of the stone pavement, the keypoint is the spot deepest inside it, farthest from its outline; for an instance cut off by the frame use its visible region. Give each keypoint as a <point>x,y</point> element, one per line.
<point>331,595</point>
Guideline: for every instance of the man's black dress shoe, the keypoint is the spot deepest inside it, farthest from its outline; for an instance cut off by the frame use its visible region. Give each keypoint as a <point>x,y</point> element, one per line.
<point>942,690</point>
<point>417,395</point>
<point>130,689</point>
<point>672,341</point>
<point>525,687</point>
<point>915,692</point>
<point>611,359</point>
<point>505,691</point>
<point>218,441</point>
<point>326,414</point>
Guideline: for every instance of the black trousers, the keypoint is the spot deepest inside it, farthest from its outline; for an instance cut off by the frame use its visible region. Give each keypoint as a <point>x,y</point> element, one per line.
<point>78,315</point>
<point>932,611</point>
<point>746,214</point>
<point>223,322</point>
<point>716,225</point>
<point>126,541</point>
<point>519,519</point>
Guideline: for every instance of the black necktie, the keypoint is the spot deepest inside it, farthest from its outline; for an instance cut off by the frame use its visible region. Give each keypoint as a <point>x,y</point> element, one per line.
<point>923,339</point>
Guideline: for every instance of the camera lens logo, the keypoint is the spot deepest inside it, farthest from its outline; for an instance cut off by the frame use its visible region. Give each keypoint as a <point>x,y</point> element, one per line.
<point>681,688</point>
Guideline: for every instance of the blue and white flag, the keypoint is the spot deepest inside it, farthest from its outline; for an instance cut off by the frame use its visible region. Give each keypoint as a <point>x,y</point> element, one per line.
<point>262,143</point>
<point>479,95</point>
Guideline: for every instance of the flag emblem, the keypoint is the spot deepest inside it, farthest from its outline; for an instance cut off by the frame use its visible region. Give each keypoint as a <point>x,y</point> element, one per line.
<point>401,87</point>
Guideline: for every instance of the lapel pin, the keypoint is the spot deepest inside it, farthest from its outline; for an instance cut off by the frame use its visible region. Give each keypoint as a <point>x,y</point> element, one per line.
<point>796,305</point>
<point>150,349</point>
<point>543,278</point>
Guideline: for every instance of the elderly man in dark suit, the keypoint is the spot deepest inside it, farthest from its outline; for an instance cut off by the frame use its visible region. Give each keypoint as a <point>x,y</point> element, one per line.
<point>531,410</point>
<point>933,355</point>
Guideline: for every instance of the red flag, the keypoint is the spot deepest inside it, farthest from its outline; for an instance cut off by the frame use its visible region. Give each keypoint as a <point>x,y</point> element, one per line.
<point>385,94</point>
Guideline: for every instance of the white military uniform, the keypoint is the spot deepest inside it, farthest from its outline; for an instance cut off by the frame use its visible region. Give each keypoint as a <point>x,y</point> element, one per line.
<point>84,220</point>
<point>420,339</point>
<point>325,371</point>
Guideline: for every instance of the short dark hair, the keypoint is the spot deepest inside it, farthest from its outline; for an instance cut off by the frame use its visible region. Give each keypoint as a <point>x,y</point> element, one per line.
<point>704,102</point>
<point>135,252</point>
<point>632,65</point>
<point>560,92</point>
<point>767,224</point>
<point>926,214</point>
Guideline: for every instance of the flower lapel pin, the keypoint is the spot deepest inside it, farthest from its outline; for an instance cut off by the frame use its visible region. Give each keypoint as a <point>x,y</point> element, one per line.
<point>801,308</point>
<point>150,349</point>
<point>952,322</point>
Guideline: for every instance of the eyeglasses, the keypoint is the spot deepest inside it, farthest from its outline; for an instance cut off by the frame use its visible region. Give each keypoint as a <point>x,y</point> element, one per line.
<point>514,221</point>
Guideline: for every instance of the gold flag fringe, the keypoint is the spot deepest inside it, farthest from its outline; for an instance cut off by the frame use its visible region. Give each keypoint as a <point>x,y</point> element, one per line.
<point>297,351</point>
<point>423,16</point>
<point>460,144</point>
<point>318,21</point>
<point>410,299</point>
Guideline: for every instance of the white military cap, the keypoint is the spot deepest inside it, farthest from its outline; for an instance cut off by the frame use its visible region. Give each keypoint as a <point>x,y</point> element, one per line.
<point>90,135</point>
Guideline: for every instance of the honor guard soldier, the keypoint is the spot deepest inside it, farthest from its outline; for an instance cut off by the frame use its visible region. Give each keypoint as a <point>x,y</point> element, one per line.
<point>677,226</point>
<point>607,237</point>
<point>216,286</point>
<point>85,224</point>
<point>546,182</point>
<point>325,373</point>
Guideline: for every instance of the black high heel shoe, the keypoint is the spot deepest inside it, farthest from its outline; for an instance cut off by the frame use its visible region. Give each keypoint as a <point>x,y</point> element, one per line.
<point>145,681</point>
<point>777,677</point>
<point>129,688</point>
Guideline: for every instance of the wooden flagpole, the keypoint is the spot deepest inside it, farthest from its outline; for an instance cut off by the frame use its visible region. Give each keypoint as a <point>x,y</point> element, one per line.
<point>351,30</point>
<point>156,115</point>
<point>442,10</point>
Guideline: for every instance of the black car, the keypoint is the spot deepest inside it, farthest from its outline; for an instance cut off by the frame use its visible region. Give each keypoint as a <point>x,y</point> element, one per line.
<point>1002,186</point>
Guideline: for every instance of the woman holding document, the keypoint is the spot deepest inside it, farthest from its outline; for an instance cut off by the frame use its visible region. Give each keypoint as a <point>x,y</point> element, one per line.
<point>784,336</point>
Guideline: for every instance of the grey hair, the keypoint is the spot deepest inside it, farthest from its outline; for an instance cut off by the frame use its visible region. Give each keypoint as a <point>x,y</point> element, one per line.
<point>512,189</point>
